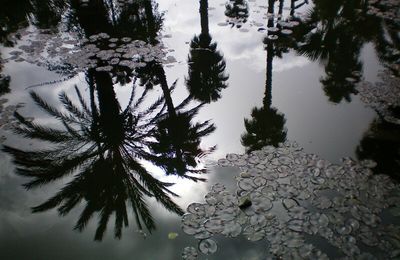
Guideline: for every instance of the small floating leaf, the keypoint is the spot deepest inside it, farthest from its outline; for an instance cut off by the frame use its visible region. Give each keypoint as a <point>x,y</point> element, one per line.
<point>172,235</point>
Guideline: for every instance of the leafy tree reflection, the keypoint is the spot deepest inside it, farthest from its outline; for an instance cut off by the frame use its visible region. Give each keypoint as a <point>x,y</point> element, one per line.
<point>381,144</point>
<point>334,33</point>
<point>266,125</point>
<point>207,76</point>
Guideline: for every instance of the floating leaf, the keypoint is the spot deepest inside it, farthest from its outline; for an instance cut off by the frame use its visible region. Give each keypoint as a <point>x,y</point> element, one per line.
<point>172,235</point>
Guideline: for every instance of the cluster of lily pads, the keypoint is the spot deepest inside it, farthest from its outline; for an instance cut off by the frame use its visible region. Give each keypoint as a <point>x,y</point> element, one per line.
<point>383,95</point>
<point>99,51</point>
<point>291,199</point>
<point>284,28</point>
<point>284,23</point>
<point>104,53</point>
<point>43,46</point>
<point>236,12</point>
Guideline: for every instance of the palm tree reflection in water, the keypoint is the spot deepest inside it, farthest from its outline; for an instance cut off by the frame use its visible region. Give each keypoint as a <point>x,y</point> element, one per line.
<point>266,125</point>
<point>207,76</point>
<point>101,146</point>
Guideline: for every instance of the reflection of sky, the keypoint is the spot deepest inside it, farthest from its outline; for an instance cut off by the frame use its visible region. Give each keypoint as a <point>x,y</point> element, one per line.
<point>295,84</point>
<point>332,131</point>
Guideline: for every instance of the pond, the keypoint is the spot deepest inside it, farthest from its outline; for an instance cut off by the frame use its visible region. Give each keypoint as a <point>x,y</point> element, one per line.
<point>117,115</point>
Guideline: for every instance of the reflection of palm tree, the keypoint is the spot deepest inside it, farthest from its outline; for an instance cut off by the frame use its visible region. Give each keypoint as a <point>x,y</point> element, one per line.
<point>387,44</point>
<point>178,144</point>
<point>144,27</point>
<point>267,125</point>
<point>333,34</point>
<point>381,144</point>
<point>13,16</point>
<point>102,148</point>
<point>207,76</point>
<point>178,139</point>
<point>47,13</point>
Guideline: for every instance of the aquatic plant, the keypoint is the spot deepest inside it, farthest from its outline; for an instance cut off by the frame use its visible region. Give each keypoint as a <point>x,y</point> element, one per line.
<point>291,200</point>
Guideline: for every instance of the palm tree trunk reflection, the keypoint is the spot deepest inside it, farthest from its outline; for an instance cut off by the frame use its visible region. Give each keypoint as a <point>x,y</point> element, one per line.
<point>266,125</point>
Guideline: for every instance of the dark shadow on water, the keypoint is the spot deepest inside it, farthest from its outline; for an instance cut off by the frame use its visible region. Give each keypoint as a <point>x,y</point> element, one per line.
<point>381,143</point>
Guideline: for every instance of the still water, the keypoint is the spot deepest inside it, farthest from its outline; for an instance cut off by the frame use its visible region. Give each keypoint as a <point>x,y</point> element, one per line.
<point>155,92</point>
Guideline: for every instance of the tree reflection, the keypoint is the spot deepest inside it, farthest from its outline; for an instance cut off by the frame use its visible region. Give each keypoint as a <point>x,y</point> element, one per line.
<point>47,13</point>
<point>330,37</point>
<point>178,139</point>
<point>206,64</point>
<point>334,33</point>
<point>177,145</point>
<point>103,148</point>
<point>13,16</point>
<point>266,125</point>
<point>381,144</point>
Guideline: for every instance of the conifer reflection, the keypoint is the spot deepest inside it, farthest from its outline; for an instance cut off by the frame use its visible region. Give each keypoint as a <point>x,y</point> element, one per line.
<point>206,76</point>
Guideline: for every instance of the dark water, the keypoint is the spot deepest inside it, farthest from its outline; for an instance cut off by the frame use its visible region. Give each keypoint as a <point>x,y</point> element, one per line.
<point>235,90</point>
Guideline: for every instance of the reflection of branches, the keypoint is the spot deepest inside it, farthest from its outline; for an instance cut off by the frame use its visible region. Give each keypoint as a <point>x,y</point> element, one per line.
<point>101,147</point>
